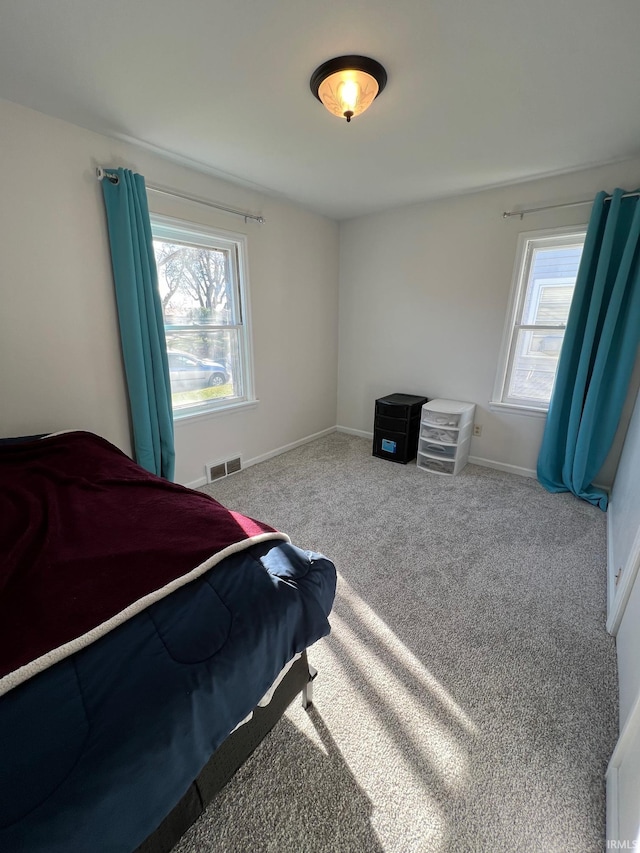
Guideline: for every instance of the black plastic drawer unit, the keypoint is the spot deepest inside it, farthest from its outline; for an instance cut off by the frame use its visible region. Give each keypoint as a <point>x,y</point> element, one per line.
<point>396,427</point>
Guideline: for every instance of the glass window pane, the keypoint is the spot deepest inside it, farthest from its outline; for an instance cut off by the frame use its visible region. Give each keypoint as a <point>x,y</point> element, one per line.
<point>195,283</point>
<point>547,267</point>
<point>204,365</point>
<point>554,303</point>
<point>201,286</point>
<point>534,365</point>
<point>550,282</point>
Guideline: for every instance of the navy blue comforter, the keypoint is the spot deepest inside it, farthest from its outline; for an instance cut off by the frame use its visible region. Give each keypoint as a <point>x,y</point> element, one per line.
<point>97,749</point>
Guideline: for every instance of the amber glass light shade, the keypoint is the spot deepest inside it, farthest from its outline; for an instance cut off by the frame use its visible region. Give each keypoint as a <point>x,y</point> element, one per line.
<point>348,93</point>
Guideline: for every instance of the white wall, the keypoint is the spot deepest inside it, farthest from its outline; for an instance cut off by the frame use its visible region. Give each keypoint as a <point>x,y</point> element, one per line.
<point>59,344</point>
<point>624,549</point>
<point>423,299</point>
<point>423,296</point>
<point>623,775</point>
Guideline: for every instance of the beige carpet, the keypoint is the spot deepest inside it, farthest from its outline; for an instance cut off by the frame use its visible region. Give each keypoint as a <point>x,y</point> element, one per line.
<point>466,698</point>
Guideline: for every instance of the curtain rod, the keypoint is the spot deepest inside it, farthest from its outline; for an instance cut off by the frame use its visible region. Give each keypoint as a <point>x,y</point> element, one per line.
<point>111,176</point>
<point>522,213</point>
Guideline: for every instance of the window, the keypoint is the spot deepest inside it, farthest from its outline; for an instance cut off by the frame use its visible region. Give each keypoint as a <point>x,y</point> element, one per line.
<point>203,289</point>
<point>545,275</point>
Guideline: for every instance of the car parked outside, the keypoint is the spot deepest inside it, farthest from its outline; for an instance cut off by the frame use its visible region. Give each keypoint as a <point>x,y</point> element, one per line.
<point>189,373</point>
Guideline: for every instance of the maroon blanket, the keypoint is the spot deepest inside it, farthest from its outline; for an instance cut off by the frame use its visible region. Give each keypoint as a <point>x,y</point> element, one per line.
<point>88,539</point>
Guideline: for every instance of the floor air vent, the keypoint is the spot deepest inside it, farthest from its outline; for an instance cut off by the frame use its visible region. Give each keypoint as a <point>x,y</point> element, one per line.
<point>218,470</point>
<point>234,465</point>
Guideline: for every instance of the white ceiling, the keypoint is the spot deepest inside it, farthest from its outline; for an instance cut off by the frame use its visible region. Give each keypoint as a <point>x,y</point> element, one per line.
<point>479,93</point>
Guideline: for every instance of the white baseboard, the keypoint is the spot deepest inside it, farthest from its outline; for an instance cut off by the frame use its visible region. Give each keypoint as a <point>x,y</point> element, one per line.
<point>286,447</point>
<point>503,466</point>
<point>195,484</point>
<point>474,460</point>
<point>359,432</point>
<point>247,463</point>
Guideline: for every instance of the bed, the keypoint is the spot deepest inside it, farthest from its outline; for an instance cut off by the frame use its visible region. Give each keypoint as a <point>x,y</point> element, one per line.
<point>149,639</point>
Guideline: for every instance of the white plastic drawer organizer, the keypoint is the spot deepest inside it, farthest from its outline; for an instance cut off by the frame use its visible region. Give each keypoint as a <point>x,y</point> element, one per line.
<point>445,436</point>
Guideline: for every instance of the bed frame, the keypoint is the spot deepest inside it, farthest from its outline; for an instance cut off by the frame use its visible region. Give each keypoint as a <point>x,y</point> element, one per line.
<point>230,756</point>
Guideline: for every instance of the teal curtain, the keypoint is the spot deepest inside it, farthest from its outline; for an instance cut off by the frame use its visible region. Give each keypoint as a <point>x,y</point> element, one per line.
<point>141,323</point>
<point>598,354</point>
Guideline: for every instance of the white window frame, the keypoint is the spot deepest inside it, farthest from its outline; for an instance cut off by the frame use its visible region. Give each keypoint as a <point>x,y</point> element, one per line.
<point>527,242</point>
<point>182,231</point>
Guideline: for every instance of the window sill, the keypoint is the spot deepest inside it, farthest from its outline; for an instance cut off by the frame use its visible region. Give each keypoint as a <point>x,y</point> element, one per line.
<point>512,409</point>
<point>190,417</point>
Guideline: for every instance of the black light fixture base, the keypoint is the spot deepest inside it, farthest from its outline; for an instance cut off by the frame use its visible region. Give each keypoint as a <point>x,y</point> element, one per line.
<point>358,63</point>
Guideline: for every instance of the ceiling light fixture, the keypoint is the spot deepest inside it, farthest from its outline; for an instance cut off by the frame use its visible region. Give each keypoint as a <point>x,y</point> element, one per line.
<point>348,85</point>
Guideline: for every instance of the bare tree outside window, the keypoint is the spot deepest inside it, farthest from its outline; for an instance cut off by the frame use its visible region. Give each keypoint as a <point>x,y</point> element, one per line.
<point>199,277</point>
